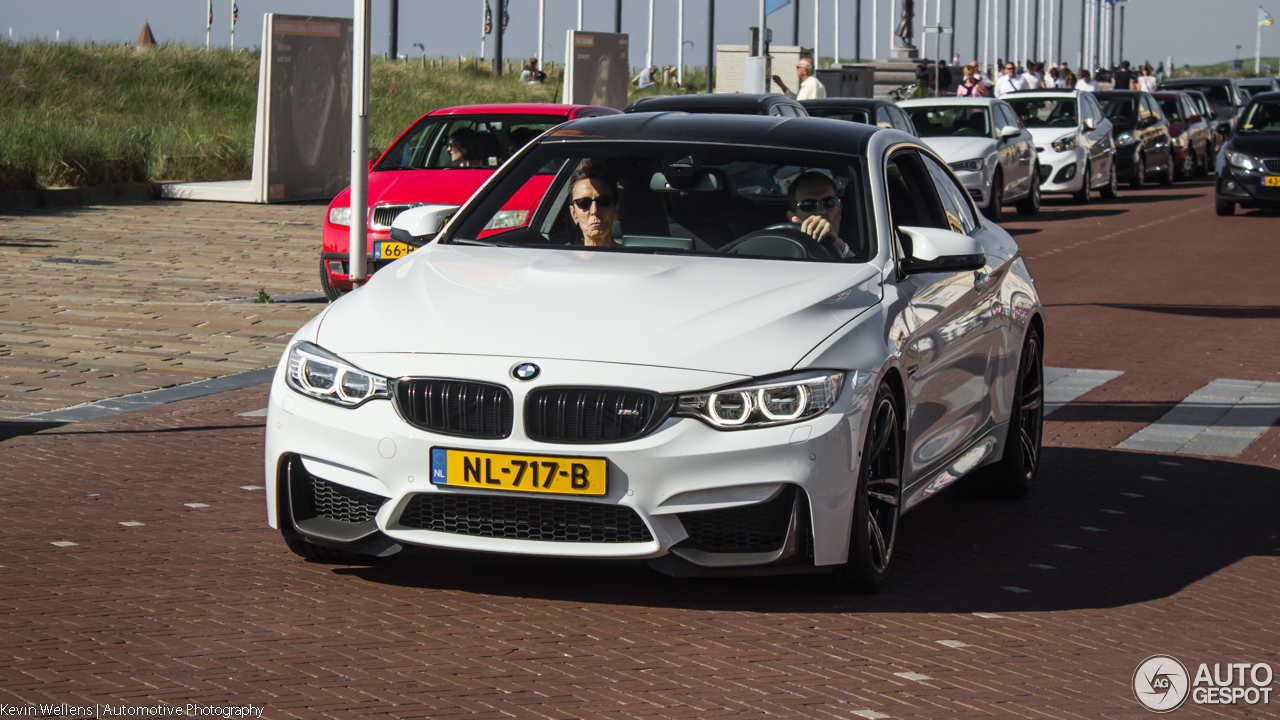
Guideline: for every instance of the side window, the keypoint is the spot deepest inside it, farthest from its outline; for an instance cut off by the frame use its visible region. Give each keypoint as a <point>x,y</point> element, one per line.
<point>900,121</point>
<point>913,198</point>
<point>1144,109</point>
<point>955,201</point>
<point>882,117</point>
<point>1091,108</point>
<point>1006,117</point>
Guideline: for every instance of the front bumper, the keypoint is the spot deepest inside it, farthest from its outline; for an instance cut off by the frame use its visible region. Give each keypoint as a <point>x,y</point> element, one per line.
<point>335,250</point>
<point>1061,172</point>
<point>1247,189</point>
<point>978,183</point>
<point>663,494</point>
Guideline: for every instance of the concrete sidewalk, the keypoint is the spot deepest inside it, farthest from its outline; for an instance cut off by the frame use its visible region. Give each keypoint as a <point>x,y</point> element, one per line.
<point>104,301</point>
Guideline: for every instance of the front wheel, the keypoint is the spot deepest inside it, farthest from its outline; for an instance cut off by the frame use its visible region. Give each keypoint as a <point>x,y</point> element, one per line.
<point>1112,188</point>
<point>995,203</point>
<point>1082,197</point>
<point>1224,207</point>
<point>331,293</point>
<point>1166,178</point>
<point>1188,169</point>
<point>1031,204</point>
<point>1139,179</point>
<point>877,500</point>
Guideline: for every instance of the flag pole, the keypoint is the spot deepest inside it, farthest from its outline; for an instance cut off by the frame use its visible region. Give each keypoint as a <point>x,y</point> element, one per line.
<point>358,237</point>
<point>208,25</point>
<point>1257,51</point>
<point>233,25</point>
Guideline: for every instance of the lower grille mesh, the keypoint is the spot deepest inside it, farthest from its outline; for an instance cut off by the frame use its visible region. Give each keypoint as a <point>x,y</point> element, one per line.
<point>341,503</point>
<point>524,518</point>
<point>754,528</point>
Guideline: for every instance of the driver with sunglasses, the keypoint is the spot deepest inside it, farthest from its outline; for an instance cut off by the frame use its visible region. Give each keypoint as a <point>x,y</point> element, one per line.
<point>593,204</point>
<point>814,202</point>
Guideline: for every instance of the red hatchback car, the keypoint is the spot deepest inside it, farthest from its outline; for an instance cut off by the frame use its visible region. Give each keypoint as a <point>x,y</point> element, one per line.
<point>443,158</point>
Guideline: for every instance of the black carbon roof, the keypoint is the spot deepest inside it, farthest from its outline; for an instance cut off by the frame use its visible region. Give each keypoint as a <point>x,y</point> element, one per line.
<point>801,133</point>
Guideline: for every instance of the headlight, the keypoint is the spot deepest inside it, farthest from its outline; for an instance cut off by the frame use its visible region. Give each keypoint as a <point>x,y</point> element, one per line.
<point>1241,160</point>
<point>504,219</point>
<point>318,373</point>
<point>1064,144</point>
<point>968,165</point>
<point>1180,141</point>
<point>778,402</point>
<point>1126,138</point>
<point>340,216</point>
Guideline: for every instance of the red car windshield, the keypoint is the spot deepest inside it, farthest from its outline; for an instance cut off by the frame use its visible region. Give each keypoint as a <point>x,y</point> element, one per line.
<point>439,142</point>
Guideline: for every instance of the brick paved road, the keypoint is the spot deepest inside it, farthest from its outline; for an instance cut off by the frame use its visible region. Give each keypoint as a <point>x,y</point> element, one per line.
<point>1163,554</point>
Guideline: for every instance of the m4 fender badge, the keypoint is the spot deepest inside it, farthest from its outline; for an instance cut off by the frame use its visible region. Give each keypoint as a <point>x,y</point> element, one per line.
<point>525,371</point>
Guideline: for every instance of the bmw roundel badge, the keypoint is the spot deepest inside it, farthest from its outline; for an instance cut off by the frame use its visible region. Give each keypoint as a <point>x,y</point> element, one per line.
<point>525,371</point>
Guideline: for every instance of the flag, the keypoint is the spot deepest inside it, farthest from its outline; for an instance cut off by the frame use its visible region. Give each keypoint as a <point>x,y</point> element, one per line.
<point>772,6</point>
<point>488,18</point>
<point>210,25</point>
<point>1263,17</point>
<point>235,13</point>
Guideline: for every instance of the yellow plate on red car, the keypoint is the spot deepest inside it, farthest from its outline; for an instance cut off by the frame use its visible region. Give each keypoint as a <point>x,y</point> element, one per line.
<point>391,250</point>
<point>523,473</point>
<point>1273,181</point>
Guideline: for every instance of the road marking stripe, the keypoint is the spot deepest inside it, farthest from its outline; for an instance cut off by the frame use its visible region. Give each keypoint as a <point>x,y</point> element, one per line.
<point>953,643</point>
<point>1063,385</point>
<point>1221,419</point>
<point>913,676</point>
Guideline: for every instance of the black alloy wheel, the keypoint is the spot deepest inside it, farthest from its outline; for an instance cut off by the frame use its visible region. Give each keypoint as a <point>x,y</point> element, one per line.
<point>1210,155</point>
<point>330,292</point>
<point>1139,179</point>
<point>1082,197</point>
<point>1166,178</point>
<point>877,501</point>
<point>1224,208</point>
<point>995,203</point>
<point>1188,169</point>
<point>1031,204</point>
<point>1112,189</point>
<point>1013,475</point>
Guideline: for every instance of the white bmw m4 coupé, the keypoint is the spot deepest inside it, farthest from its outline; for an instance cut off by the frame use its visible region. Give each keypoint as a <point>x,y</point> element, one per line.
<point>724,344</point>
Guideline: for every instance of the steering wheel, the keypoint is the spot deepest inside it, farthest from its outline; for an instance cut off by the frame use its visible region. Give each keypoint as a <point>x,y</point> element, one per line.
<point>784,240</point>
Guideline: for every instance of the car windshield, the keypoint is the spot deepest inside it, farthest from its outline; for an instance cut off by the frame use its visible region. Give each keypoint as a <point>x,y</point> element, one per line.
<point>847,114</point>
<point>1121,109</point>
<point>950,120</point>
<point>673,198</point>
<point>1045,112</point>
<point>1262,117</point>
<point>1169,106</point>
<point>1218,95</point>
<point>464,141</point>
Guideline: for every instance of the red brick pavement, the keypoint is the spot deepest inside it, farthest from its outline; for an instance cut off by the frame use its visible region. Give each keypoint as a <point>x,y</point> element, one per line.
<point>207,605</point>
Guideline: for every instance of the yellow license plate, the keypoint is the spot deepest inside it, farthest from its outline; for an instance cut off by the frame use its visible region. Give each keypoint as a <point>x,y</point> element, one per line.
<point>391,250</point>
<point>1273,181</point>
<point>522,473</point>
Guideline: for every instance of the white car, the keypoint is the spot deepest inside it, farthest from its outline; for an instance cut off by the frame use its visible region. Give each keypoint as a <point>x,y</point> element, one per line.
<point>986,145</point>
<point>1073,141</point>
<point>709,388</point>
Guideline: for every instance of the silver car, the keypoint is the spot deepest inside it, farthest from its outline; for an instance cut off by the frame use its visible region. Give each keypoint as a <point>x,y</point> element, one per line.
<point>987,146</point>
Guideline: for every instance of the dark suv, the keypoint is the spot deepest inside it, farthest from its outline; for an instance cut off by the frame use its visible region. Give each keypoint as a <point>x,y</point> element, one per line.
<point>1141,131</point>
<point>721,103</point>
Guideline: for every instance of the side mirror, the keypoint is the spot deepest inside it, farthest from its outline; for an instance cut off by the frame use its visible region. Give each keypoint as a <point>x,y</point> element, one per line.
<point>1224,127</point>
<point>1009,131</point>
<point>938,250</point>
<point>417,226</point>
<point>1195,118</point>
<point>1089,124</point>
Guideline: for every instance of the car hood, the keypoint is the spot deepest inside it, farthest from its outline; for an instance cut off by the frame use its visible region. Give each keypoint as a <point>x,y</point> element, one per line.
<point>741,316</point>
<point>446,187</point>
<point>1264,144</point>
<point>955,149</point>
<point>1044,136</point>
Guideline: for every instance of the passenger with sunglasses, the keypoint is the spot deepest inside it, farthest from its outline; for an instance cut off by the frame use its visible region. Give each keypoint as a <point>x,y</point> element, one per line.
<point>593,204</point>
<point>813,201</point>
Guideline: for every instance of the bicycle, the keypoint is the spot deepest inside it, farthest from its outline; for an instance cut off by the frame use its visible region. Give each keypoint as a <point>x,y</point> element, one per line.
<point>903,93</point>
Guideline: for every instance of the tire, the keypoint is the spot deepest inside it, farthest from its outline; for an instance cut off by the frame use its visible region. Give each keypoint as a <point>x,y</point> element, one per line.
<point>995,204</point>
<point>1210,157</point>
<point>330,292</point>
<point>1166,178</point>
<point>1188,169</point>
<point>1139,179</point>
<point>877,501</point>
<point>1014,474</point>
<point>1224,208</point>
<point>1082,197</point>
<point>1031,204</point>
<point>1112,189</point>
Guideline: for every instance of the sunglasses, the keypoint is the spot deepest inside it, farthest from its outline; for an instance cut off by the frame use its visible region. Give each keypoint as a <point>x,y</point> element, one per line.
<point>828,203</point>
<point>604,202</point>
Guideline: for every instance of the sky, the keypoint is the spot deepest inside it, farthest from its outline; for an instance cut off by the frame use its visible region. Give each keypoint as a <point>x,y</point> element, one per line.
<point>1191,31</point>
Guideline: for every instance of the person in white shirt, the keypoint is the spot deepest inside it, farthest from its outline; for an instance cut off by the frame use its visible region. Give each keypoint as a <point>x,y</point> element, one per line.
<point>1009,82</point>
<point>1031,78</point>
<point>1147,81</point>
<point>1053,81</point>
<point>1086,82</point>
<point>810,87</point>
<point>645,78</point>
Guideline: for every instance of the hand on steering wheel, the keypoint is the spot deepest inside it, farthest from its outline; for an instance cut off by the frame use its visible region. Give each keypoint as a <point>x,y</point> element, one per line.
<point>786,233</point>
